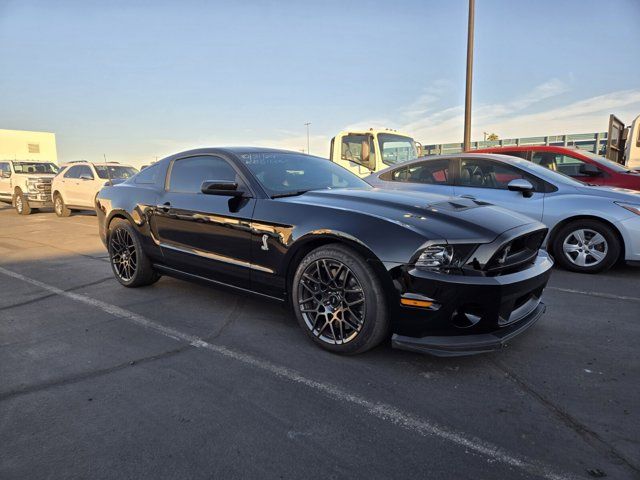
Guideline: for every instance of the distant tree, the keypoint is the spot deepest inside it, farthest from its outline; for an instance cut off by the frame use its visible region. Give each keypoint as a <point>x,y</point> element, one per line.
<point>492,137</point>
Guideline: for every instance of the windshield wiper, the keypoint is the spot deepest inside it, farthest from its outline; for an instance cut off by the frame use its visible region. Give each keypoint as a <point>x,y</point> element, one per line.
<point>289,194</point>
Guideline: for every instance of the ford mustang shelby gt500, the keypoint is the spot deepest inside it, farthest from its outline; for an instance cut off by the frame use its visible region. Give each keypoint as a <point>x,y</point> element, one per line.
<point>447,276</point>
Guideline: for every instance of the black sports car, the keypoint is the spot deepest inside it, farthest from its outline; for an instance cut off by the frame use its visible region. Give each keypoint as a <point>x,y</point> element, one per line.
<point>445,276</point>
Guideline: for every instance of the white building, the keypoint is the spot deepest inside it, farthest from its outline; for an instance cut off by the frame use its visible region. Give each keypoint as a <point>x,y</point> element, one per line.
<point>25,145</point>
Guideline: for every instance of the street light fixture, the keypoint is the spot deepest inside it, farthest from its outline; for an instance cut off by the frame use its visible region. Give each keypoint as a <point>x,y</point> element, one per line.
<point>307,125</point>
<point>467,99</point>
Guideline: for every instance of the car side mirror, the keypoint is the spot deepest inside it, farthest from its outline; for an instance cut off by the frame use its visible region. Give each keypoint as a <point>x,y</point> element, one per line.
<point>590,170</point>
<point>86,177</point>
<point>521,185</point>
<point>221,187</point>
<point>6,175</point>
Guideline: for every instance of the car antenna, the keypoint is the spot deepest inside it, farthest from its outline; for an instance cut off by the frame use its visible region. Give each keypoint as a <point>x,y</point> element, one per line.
<point>107,167</point>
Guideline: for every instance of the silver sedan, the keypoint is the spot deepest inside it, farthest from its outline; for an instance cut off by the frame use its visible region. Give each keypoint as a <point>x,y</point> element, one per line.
<point>590,228</point>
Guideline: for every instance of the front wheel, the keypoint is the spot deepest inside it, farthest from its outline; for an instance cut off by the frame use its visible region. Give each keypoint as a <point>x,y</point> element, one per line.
<point>586,246</point>
<point>59,206</point>
<point>22,203</point>
<point>339,301</point>
<point>129,262</point>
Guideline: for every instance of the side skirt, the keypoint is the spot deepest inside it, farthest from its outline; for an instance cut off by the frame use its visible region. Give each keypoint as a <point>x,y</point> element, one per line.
<point>190,276</point>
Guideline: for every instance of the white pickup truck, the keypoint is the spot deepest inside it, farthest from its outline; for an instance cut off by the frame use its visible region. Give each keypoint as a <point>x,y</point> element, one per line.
<point>26,184</point>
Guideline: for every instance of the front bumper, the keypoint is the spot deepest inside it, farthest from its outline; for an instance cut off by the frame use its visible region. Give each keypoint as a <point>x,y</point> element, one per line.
<point>39,200</point>
<point>471,314</point>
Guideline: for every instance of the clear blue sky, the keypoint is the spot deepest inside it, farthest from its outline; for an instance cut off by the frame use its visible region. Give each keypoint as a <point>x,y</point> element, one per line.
<point>136,79</point>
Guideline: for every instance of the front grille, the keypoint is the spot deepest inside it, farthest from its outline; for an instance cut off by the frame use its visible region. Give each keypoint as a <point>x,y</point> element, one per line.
<point>517,252</point>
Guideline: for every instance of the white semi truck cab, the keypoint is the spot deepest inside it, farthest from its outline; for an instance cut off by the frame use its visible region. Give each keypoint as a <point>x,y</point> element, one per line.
<point>366,151</point>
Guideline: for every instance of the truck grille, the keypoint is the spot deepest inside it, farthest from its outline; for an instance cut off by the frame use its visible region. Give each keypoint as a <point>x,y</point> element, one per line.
<point>515,253</point>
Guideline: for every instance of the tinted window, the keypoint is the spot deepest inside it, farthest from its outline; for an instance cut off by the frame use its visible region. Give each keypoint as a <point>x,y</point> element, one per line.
<point>559,163</point>
<point>483,173</point>
<point>433,172</point>
<point>149,176</point>
<point>73,172</point>
<point>188,174</point>
<point>85,171</point>
<point>4,168</point>
<point>282,173</point>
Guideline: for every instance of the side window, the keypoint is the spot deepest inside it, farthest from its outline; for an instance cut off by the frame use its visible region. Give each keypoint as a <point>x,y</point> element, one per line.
<point>85,171</point>
<point>148,176</point>
<point>560,163</point>
<point>5,170</point>
<point>433,172</point>
<point>352,147</point>
<point>73,172</point>
<point>483,173</point>
<point>188,174</point>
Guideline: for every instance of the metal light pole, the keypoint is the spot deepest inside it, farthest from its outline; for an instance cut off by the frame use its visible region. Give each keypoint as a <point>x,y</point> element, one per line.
<point>467,98</point>
<point>307,125</point>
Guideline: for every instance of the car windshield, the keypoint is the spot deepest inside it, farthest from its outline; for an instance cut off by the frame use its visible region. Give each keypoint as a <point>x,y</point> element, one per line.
<point>616,167</point>
<point>397,148</point>
<point>283,174</point>
<point>35,167</point>
<point>115,171</point>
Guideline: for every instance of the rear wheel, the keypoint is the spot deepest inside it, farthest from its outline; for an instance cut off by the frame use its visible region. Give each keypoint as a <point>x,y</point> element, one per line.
<point>129,263</point>
<point>338,300</point>
<point>59,206</point>
<point>22,203</point>
<point>586,246</point>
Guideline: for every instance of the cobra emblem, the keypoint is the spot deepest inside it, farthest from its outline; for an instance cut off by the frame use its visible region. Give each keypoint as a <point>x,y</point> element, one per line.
<point>265,246</point>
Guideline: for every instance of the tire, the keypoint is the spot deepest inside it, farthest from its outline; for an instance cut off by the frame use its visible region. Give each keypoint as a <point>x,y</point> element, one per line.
<point>586,246</point>
<point>353,300</point>
<point>130,265</point>
<point>59,206</point>
<point>21,203</point>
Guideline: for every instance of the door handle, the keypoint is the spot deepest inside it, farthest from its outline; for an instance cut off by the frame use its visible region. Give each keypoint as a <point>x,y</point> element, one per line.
<point>164,208</point>
<point>470,197</point>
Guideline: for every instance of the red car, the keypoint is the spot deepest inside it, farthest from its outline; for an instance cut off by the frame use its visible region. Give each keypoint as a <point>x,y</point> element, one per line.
<point>579,164</point>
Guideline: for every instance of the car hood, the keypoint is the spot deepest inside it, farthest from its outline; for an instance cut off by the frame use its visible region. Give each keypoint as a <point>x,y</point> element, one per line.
<point>435,216</point>
<point>614,193</point>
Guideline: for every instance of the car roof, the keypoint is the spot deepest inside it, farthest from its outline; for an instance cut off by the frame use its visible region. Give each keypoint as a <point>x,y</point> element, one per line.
<point>527,148</point>
<point>492,156</point>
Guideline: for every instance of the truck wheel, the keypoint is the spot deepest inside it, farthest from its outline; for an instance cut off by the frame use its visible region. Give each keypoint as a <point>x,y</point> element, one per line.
<point>129,262</point>
<point>59,206</point>
<point>586,246</point>
<point>339,301</point>
<point>21,203</point>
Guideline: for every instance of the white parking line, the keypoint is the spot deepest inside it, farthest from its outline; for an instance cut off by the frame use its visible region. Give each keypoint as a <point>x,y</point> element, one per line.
<point>595,294</point>
<point>382,411</point>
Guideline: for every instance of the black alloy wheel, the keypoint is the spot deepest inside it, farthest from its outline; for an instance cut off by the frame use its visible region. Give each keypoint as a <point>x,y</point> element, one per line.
<point>129,263</point>
<point>338,300</point>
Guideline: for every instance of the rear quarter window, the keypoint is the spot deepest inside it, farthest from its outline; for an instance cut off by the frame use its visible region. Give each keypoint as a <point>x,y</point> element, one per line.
<point>152,176</point>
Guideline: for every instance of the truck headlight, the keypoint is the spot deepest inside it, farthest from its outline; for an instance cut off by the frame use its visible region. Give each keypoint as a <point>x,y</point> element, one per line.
<point>442,257</point>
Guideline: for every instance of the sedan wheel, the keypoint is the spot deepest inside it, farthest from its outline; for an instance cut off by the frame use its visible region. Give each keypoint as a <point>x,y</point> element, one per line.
<point>129,262</point>
<point>331,301</point>
<point>339,301</point>
<point>123,254</point>
<point>587,246</point>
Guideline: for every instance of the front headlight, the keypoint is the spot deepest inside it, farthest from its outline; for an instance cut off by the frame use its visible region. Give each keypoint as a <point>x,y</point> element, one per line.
<point>634,208</point>
<point>441,257</point>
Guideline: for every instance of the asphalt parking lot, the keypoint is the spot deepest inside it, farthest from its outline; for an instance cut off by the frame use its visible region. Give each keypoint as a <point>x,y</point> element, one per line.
<point>179,380</point>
